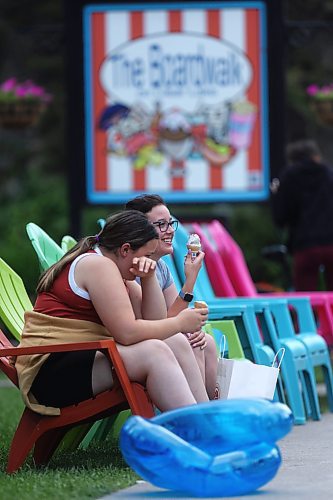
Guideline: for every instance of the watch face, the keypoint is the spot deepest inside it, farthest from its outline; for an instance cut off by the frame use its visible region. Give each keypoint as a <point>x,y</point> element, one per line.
<point>188,297</point>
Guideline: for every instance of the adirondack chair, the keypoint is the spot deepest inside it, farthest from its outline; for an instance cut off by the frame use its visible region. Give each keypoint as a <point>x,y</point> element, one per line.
<point>244,319</point>
<point>67,242</point>
<point>14,300</point>
<point>314,343</point>
<point>43,433</point>
<point>240,277</point>
<point>101,223</point>
<point>297,370</point>
<point>47,250</point>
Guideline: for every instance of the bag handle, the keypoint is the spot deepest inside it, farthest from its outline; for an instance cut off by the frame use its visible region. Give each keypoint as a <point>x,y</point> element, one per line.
<point>222,339</point>
<point>276,363</point>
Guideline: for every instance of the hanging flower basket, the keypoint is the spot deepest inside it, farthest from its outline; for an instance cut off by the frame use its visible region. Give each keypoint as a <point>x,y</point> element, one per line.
<point>324,110</point>
<point>21,105</point>
<point>322,102</point>
<point>20,115</point>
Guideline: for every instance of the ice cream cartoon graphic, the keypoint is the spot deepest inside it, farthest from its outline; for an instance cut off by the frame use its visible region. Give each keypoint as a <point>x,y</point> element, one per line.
<point>175,140</point>
<point>214,133</point>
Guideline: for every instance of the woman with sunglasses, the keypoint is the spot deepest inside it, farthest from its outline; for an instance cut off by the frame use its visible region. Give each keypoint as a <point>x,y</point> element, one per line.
<point>87,296</point>
<point>203,346</point>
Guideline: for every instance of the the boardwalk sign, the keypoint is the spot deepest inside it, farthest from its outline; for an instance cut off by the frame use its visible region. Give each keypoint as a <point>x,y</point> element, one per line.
<point>176,102</point>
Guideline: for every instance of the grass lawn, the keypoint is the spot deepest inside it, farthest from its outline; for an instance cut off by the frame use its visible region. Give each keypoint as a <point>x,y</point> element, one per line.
<point>92,473</point>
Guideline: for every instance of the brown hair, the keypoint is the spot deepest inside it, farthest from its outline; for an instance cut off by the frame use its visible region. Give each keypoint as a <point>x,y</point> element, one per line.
<point>144,202</point>
<point>130,226</point>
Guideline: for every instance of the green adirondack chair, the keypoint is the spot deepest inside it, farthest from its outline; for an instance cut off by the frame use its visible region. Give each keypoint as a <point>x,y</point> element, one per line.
<point>47,250</point>
<point>14,300</point>
<point>67,242</point>
<point>226,327</point>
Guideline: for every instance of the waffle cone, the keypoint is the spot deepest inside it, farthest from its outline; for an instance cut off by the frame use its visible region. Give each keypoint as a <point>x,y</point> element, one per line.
<point>199,304</point>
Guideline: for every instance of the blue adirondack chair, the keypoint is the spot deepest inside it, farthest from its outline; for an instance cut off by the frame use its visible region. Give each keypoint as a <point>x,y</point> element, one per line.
<point>297,368</point>
<point>315,344</point>
<point>244,318</point>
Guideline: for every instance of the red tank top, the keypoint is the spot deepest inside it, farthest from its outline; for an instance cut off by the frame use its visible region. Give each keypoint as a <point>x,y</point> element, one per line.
<point>62,302</point>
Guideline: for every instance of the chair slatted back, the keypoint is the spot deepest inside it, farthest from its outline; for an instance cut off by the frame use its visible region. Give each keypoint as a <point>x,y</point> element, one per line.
<point>47,250</point>
<point>14,299</point>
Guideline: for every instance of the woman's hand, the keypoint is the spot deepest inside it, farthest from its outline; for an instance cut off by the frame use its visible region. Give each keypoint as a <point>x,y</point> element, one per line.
<point>192,267</point>
<point>197,339</point>
<point>143,267</point>
<point>192,320</point>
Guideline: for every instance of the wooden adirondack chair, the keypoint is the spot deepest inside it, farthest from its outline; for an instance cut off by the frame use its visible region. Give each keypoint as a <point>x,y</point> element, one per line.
<point>14,301</point>
<point>44,433</point>
<point>47,250</point>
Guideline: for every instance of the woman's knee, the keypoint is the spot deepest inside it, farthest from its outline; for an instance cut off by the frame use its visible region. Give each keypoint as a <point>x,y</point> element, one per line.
<point>158,349</point>
<point>179,344</point>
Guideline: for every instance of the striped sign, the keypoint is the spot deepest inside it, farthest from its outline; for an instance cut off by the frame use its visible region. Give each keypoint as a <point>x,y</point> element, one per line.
<point>176,102</point>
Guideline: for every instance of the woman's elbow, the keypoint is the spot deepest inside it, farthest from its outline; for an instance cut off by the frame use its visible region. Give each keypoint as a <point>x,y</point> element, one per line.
<point>126,338</point>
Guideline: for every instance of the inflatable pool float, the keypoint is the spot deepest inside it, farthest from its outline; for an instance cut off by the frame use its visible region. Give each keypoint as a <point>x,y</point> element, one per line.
<point>220,448</point>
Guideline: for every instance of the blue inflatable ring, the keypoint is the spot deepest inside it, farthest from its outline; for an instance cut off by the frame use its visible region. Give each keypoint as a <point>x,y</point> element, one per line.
<point>220,448</point>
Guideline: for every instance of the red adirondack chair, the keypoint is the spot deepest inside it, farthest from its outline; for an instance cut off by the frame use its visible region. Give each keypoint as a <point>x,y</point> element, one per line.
<point>44,433</point>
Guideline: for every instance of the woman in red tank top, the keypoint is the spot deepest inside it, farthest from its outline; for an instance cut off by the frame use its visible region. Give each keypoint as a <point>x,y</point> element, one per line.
<point>94,284</point>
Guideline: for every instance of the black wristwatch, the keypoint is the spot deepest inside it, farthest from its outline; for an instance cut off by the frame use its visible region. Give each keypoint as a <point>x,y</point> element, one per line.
<point>188,297</point>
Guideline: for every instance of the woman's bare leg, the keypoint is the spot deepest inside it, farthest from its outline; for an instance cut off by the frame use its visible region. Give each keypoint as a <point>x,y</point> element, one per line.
<point>210,366</point>
<point>199,355</point>
<point>152,364</point>
<point>184,354</point>
<point>102,379</point>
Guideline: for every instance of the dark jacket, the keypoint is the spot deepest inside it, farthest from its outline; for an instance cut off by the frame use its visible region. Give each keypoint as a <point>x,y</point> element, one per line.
<point>304,204</point>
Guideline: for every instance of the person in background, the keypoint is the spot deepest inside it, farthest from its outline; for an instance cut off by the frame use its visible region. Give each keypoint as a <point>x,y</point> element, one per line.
<point>203,345</point>
<point>86,296</point>
<point>302,202</point>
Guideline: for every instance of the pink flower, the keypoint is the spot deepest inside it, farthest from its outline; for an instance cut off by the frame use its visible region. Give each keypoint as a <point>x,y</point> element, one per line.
<point>312,89</point>
<point>26,90</point>
<point>324,92</point>
<point>9,85</point>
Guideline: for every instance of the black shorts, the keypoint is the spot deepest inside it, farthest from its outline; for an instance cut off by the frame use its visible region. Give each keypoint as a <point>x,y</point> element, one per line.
<point>64,379</point>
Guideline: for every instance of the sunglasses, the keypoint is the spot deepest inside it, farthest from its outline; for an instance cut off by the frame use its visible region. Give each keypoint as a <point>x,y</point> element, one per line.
<point>164,225</point>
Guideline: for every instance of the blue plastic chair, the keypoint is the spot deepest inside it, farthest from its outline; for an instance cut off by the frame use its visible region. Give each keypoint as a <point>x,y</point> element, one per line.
<point>297,369</point>
<point>315,344</point>
<point>244,318</point>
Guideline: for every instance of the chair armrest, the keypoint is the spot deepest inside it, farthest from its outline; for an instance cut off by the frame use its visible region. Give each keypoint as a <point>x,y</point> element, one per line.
<point>47,349</point>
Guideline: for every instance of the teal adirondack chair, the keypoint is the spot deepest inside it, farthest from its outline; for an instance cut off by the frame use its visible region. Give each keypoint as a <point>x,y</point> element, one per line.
<point>297,369</point>
<point>315,345</point>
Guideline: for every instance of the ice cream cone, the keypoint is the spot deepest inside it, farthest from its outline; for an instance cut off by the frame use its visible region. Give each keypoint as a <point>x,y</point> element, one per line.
<point>199,304</point>
<point>194,245</point>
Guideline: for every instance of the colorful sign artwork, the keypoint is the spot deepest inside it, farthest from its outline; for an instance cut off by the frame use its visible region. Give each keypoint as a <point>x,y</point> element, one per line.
<point>176,102</point>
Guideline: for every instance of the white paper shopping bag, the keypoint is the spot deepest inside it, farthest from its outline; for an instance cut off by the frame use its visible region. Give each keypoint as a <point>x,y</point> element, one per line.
<point>240,378</point>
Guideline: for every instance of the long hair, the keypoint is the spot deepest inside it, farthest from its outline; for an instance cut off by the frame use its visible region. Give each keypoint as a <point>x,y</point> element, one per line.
<point>130,226</point>
<point>144,202</point>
